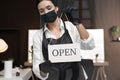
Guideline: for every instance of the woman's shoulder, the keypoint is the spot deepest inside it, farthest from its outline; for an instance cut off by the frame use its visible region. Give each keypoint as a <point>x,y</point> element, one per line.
<point>68,22</point>
<point>38,33</point>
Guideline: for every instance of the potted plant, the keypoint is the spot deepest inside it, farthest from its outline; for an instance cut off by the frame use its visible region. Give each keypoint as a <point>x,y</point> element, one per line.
<point>115,30</point>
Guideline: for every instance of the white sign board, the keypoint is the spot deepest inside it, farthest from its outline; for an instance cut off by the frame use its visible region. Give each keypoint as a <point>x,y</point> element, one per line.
<point>98,35</point>
<point>64,53</point>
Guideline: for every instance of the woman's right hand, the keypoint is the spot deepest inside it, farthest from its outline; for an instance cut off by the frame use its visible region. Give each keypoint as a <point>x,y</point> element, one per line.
<point>44,67</point>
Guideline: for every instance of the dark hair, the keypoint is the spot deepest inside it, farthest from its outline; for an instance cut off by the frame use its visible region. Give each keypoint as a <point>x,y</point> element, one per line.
<point>53,1</point>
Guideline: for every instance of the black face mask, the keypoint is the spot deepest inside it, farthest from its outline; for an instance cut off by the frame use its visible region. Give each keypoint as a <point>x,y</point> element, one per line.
<point>49,17</point>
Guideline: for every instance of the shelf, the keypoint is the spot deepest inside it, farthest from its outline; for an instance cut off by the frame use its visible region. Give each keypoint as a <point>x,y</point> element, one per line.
<point>115,40</point>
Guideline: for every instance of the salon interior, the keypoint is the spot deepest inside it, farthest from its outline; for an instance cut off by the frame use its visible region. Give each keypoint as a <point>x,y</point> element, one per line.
<point>18,18</point>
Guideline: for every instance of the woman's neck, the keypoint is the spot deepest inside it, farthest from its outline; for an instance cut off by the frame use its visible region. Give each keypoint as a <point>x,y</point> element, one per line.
<point>55,27</point>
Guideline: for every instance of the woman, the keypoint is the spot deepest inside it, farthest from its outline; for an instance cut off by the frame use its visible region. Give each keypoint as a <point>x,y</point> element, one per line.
<point>56,31</point>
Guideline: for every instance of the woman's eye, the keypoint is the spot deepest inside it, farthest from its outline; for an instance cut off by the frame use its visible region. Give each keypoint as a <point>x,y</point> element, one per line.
<point>41,11</point>
<point>49,8</point>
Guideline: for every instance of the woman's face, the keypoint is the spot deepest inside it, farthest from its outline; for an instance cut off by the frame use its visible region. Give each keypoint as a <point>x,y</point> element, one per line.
<point>46,6</point>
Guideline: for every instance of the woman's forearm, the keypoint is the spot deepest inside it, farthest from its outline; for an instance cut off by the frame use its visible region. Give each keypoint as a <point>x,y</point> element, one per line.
<point>82,31</point>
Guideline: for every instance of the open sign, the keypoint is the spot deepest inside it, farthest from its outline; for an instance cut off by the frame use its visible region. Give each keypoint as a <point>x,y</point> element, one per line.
<point>64,53</point>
